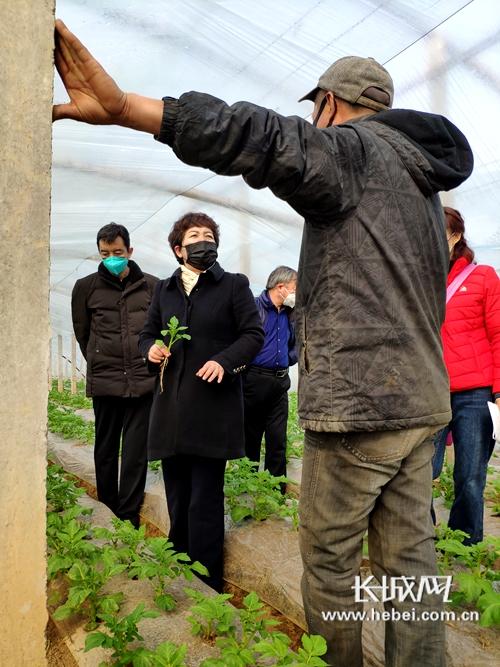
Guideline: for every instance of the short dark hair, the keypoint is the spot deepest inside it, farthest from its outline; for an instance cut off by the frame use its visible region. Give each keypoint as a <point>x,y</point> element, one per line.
<point>456,224</point>
<point>187,221</point>
<point>111,232</point>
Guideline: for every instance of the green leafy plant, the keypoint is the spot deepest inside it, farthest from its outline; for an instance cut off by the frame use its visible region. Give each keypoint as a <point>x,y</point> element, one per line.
<point>479,558</point>
<point>86,581</point>
<point>62,493</point>
<point>277,648</point>
<point>68,540</point>
<point>166,654</point>
<point>155,466</point>
<point>254,626</point>
<point>254,641</point>
<point>173,332</point>
<point>473,585</point>
<point>65,397</point>
<point>158,562</point>
<point>211,616</point>
<point>444,485</point>
<point>449,545</point>
<point>295,434</point>
<point>121,632</point>
<point>126,540</point>
<point>62,420</point>
<point>492,493</point>
<point>254,493</point>
<point>473,589</point>
<point>253,619</point>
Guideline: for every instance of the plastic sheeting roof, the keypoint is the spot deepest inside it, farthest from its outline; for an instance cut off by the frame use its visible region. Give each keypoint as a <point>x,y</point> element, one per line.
<point>444,56</point>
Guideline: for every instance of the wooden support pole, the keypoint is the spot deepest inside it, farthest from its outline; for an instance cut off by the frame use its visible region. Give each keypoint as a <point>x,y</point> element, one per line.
<point>60,383</point>
<point>73,364</point>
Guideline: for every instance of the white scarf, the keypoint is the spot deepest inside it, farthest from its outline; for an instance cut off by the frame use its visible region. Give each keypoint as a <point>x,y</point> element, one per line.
<point>189,279</point>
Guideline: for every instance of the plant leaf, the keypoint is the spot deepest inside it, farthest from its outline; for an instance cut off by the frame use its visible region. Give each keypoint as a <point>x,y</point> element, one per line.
<point>95,639</point>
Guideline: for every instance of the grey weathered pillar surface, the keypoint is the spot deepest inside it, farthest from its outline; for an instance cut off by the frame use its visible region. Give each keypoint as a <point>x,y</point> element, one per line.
<point>26,75</point>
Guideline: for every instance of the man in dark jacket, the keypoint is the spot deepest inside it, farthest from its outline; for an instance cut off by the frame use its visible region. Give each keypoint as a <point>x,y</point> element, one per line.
<point>266,381</point>
<point>109,309</point>
<point>370,303</point>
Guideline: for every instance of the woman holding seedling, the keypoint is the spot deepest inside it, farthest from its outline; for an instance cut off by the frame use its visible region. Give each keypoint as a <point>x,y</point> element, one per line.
<point>202,329</point>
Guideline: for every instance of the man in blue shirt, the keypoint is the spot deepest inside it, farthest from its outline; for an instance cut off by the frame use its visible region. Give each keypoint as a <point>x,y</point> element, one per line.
<point>266,382</point>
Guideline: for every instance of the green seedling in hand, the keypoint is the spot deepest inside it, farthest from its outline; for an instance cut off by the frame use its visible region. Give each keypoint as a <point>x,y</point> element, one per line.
<point>174,332</point>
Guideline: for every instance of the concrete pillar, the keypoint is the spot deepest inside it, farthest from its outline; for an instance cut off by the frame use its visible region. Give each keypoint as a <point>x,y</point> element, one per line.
<point>26,75</point>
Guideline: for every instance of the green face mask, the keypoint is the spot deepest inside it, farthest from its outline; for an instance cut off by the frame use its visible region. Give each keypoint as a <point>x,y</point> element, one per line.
<point>115,265</point>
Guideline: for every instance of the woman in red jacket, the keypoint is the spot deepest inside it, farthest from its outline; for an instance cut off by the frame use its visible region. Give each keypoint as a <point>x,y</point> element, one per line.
<point>471,343</point>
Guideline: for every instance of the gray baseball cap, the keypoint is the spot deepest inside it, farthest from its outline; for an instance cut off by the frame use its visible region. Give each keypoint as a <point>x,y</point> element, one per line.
<point>358,81</point>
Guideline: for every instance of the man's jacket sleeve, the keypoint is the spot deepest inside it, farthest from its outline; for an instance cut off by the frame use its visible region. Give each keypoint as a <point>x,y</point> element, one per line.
<point>317,172</point>
<point>81,316</point>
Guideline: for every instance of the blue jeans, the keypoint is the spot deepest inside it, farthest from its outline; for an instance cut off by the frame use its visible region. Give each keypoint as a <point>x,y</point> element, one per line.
<point>471,429</point>
<point>380,482</point>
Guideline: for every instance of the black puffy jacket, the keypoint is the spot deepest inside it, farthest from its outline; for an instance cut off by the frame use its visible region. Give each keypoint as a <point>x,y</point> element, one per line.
<point>107,318</point>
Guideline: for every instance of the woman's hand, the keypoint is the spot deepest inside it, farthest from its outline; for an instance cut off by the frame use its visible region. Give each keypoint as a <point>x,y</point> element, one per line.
<point>157,354</point>
<point>210,371</point>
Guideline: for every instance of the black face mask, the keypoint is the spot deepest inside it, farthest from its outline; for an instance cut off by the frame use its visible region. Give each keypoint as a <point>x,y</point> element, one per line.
<point>201,254</point>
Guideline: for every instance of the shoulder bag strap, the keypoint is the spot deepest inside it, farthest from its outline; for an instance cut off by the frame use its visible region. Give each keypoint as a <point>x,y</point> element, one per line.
<point>453,286</point>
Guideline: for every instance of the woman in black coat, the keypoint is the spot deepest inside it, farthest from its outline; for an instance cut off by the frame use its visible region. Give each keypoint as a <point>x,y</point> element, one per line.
<point>196,423</point>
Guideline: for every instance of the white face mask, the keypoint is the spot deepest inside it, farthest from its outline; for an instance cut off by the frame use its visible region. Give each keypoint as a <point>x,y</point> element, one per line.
<point>289,300</point>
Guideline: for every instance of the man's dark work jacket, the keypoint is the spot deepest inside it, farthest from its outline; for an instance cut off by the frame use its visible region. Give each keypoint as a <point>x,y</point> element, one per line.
<point>107,319</point>
<point>374,257</point>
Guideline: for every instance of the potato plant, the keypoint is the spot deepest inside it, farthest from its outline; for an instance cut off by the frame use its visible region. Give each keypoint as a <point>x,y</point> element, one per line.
<point>253,493</point>
<point>85,595</point>
<point>477,575</point>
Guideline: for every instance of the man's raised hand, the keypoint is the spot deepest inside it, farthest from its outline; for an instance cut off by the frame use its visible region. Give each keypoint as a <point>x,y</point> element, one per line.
<point>95,97</point>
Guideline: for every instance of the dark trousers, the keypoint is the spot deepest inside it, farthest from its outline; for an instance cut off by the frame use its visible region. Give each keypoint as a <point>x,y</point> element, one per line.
<point>471,429</point>
<point>126,419</point>
<point>266,414</point>
<point>194,486</point>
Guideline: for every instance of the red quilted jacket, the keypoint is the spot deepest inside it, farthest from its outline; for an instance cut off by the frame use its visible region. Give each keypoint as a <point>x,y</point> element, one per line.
<point>471,330</point>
